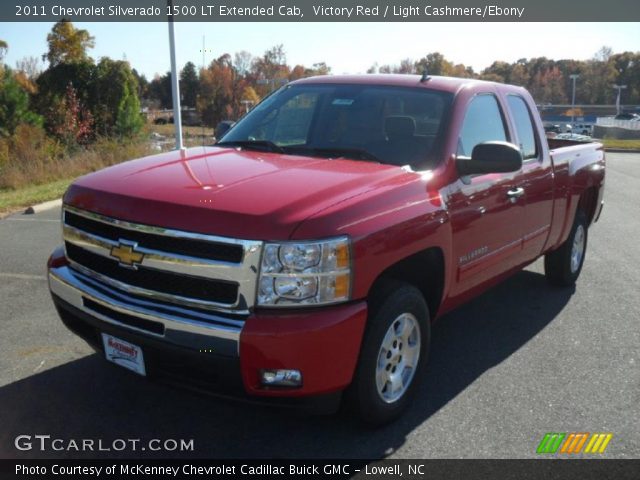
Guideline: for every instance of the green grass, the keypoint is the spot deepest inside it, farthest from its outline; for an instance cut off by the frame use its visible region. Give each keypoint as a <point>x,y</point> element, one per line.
<point>13,200</point>
<point>621,144</point>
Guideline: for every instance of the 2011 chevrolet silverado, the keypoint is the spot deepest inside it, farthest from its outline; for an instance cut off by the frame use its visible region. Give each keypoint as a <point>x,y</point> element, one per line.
<point>309,251</point>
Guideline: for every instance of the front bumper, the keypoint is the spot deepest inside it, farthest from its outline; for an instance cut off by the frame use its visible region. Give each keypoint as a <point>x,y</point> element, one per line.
<point>217,354</point>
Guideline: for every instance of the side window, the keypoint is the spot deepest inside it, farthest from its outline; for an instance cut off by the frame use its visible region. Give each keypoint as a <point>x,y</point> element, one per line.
<point>482,123</point>
<point>524,127</point>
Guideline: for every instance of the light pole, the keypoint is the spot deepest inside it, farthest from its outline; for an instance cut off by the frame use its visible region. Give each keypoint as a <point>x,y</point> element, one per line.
<point>573,77</point>
<point>175,85</point>
<point>247,104</point>
<point>619,88</point>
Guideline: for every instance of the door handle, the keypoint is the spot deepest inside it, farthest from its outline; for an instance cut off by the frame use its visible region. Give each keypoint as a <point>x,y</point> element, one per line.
<point>515,194</point>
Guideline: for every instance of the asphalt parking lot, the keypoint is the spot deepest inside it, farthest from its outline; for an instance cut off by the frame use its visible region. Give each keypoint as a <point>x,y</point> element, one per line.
<point>519,361</point>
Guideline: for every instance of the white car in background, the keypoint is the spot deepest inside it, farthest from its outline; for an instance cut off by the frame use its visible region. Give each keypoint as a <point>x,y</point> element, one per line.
<point>582,129</point>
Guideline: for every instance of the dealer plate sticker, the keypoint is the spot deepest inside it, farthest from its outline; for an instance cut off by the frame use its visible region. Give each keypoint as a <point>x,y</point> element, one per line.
<point>124,354</point>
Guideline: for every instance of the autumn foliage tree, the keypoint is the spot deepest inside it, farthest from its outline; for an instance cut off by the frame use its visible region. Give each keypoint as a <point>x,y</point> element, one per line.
<point>549,85</point>
<point>102,98</point>
<point>68,44</point>
<point>220,92</point>
<point>69,120</point>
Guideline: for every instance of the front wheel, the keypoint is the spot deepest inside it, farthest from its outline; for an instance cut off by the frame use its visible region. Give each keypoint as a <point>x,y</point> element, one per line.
<point>393,355</point>
<point>563,266</point>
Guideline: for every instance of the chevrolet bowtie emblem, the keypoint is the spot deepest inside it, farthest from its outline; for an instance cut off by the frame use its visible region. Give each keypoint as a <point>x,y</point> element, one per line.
<point>126,254</point>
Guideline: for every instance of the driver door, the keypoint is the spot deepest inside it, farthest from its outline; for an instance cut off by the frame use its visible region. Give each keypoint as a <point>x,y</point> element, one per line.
<point>487,210</point>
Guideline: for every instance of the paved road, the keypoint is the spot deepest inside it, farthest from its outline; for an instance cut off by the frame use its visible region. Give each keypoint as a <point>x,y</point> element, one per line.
<point>520,361</point>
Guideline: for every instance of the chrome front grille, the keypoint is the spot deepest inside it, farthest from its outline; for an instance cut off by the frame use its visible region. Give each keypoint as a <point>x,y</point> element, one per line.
<point>171,267</point>
<point>154,238</point>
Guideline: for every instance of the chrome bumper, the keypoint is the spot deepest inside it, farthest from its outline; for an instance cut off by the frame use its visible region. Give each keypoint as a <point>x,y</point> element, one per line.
<point>194,329</point>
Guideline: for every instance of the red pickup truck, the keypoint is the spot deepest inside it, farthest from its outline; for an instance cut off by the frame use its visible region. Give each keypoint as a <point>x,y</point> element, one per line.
<point>308,252</point>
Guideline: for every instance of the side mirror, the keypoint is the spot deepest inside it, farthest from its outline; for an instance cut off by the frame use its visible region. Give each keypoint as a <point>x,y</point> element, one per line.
<point>491,157</point>
<point>222,128</point>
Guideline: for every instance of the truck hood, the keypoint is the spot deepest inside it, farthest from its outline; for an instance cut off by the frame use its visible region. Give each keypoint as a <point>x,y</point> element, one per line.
<point>228,192</point>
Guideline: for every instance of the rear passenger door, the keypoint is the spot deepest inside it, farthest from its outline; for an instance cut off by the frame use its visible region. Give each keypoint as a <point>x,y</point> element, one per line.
<point>487,210</point>
<point>537,177</point>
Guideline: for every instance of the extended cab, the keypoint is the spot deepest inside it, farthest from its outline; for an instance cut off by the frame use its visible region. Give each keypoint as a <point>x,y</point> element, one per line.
<point>308,252</point>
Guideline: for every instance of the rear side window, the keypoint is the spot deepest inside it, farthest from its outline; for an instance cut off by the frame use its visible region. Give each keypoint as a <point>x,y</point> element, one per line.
<point>524,127</point>
<point>483,122</point>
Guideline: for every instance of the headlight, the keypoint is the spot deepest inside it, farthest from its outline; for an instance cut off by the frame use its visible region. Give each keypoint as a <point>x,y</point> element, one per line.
<point>305,273</point>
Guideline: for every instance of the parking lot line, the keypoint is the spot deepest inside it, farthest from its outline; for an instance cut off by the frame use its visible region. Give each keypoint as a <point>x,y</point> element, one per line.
<point>23,276</point>
<point>13,219</point>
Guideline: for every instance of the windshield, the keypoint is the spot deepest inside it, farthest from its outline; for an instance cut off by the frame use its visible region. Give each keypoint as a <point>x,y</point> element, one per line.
<point>392,125</point>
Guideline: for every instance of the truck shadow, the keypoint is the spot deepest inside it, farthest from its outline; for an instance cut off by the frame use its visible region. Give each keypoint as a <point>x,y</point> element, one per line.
<point>87,399</point>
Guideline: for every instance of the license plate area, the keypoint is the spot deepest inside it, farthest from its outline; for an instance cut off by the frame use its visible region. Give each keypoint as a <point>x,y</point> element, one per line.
<point>123,353</point>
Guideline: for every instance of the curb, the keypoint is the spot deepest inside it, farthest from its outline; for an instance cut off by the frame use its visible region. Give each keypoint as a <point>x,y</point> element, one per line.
<point>43,206</point>
<point>621,150</point>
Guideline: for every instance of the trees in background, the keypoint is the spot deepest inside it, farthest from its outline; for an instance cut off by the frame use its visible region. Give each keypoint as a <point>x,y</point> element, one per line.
<point>160,90</point>
<point>77,100</point>
<point>74,102</point>
<point>69,120</point>
<point>143,84</point>
<point>73,117</point>
<point>128,119</point>
<point>229,85</point>
<point>102,99</point>
<point>68,44</point>
<point>189,85</point>
<point>4,46</point>
<point>115,90</point>
<point>221,91</point>
<point>433,63</point>
<point>14,104</point>
<point>242,62</point>
<point>29,67</point>
<point>15,107</point>
<point>547,80</point>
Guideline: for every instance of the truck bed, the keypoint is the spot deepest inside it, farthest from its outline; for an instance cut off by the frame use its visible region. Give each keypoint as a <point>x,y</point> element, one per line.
<point>555,143</point>
<point>562,151</point>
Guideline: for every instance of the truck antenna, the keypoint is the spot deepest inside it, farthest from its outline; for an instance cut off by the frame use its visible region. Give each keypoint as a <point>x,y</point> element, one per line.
<point>425,76</point>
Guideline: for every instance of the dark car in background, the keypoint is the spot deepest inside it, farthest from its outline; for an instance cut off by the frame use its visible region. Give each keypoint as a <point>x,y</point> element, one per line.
<point>627,116</point>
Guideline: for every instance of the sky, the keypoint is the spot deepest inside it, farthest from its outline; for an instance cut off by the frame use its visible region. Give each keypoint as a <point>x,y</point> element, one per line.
<point>345,47</point>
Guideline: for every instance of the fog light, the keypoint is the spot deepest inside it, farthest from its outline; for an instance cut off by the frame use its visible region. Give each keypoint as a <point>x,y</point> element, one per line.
<point>281,378</point>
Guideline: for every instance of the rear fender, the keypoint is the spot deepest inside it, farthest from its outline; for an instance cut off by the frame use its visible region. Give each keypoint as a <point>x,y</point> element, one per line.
<point>586,180</point>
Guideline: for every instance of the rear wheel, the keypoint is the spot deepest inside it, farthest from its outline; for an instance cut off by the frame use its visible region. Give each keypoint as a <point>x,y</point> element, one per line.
<point>393,354</point>
<point>563,266</point>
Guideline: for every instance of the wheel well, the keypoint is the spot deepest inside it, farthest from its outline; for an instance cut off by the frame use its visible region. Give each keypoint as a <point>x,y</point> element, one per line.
<point>424,270</point>
<point>588,201</point>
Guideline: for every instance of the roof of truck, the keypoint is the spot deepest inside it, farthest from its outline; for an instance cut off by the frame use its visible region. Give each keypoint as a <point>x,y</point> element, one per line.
<point>450,84</point>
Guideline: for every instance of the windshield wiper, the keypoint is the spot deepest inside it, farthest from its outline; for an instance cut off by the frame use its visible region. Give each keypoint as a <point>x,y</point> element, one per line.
<point>263,145</point>
<point>338,152</point>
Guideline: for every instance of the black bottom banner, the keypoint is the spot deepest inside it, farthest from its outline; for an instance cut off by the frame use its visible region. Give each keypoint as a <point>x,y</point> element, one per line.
<point>322,469</point>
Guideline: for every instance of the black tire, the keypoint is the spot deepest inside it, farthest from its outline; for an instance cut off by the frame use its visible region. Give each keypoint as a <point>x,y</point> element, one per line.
<point>389,303</point>
<point>558,266</point>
